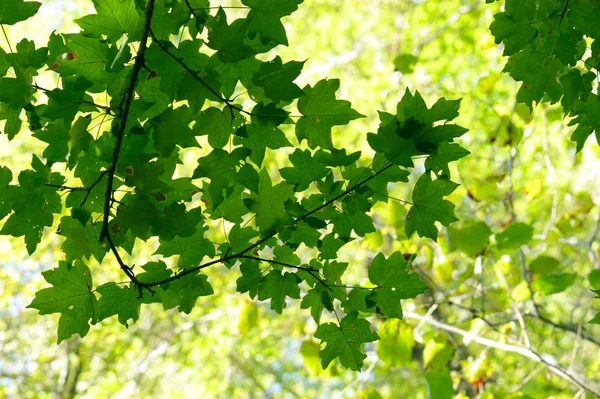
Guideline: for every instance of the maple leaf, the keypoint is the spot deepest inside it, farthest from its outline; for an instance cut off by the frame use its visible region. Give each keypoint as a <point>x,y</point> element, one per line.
<point>113,18</point>
<point>264,18</point>
<point>429,206</point>
<point>305,171</point>
<point>277,79</point>
<point>345,341</point>
<point>445,153</point>
<point>277,286</point>
<point>89,59</point>
<point>514,26</point>
<point>13,11</point>
<point>70,295</point>
<point>321,111</point>
<point>394,283</point>
<point>268,204</point>
<point>122,301</point>
<point>185,291</point>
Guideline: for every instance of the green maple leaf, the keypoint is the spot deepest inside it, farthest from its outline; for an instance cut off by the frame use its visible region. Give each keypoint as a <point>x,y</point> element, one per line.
<point>227,39</point>
<point>262,132</point>
<point>306,170</point>
<point>277,79</point>
<point>172,129</point>
<point>154,271</point>
<point>268,204</point>
<point>89,58</point>
<point>587,120</point>
<point>514,26</point>
<point>191,250</point>
<point>15,92</point>
<point>344,223</point>
<point>317,299</point>
<point>321,111</point>
<point>149,91</point>
<point>215,123</point>
<point>250,278</point>
<point>185,291</point>
<point>394,283</point>
<point>27,57</point>
<point>118,300</point>
<point>33,204</point>
<point>336,157</point>
<point>65,103</point>
<point>304,233</point>
<point>413,106</point>
<point>80,139</point>
<point>575,87</point>
<point>13,11</point>
<point>345,341</point>
<point>359,300</point>
<point>56,134</point>
<point>137,214</point>
<point>414,131</point>
<point>445,153</point>
<point>539,75</point>
<point>220,167</point>
<point>82,241</point>
<point>429,206</point>
<point>264,18</point>
<point>113,18</point>
<point>70,295</point>
<point>277,287</point>
<point>232,208</point>
<point>176,220</point>
<point>167,68</point>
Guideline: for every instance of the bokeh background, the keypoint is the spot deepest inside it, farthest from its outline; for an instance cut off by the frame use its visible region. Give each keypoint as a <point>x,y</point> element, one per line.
<point>522,168</point>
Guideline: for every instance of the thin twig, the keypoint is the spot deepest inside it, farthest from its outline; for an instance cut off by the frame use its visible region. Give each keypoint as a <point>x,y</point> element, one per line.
<point>525,352</point>
<point>6,37</point>
<point>105,108</point>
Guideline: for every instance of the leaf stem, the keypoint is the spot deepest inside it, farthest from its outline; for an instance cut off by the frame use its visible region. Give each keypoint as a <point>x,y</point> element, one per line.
<point>6,37</point>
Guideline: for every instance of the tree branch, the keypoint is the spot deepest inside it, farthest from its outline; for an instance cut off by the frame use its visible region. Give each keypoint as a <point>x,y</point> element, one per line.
<point>105,108</point>
<point>528,353</point>
<point>123,115</point>
<point>267,237</point>
<point>87,190</point>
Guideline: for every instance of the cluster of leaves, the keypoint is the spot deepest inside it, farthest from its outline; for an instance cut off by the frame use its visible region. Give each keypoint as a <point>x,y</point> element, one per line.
<point>162,99</point>
<point>554,49</point>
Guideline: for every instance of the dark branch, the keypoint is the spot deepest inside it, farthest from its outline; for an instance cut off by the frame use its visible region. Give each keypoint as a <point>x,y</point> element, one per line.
<point>192,11</point>
<point>124,114</point>
<point>110,172</point>
<point>276,262</point>
<point>105,108</point>
<point>317,209</point>
<point>87,190</point>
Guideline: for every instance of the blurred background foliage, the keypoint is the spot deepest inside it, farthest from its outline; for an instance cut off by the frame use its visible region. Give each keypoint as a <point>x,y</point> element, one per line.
<point>527,285</point>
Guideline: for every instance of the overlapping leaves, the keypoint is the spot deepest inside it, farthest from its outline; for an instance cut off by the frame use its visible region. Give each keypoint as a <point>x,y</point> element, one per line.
<point>539,38</point>
<point>180,101</point>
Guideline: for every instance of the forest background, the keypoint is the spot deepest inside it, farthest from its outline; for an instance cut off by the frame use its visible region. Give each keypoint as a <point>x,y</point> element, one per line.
<point>482,329</point>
